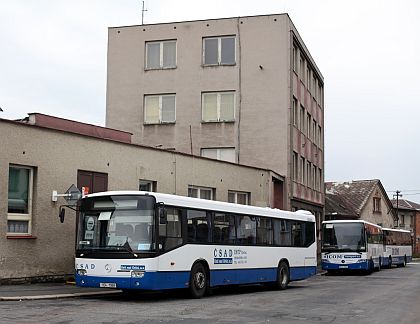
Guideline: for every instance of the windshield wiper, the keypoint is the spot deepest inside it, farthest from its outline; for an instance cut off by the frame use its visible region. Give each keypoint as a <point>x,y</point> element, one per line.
<point>126,247</point>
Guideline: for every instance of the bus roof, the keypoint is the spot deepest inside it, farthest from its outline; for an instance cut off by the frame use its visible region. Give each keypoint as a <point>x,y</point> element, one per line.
<point>395,230</point>
<point>175,200</point>
<point>350,221</point>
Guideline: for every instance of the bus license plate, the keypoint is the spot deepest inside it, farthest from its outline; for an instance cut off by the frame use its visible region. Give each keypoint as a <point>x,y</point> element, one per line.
<point>107,285</point>
<point>343,267</point>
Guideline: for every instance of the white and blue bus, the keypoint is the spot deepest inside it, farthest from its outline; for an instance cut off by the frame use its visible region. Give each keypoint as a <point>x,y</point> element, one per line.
<point>351,245</point>
<point>397,247</point>
<point>153,241</point>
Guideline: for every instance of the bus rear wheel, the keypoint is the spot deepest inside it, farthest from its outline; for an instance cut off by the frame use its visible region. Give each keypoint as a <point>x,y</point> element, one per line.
<point>283,275</point>
<point>405,261</point>
<point>198,281</point>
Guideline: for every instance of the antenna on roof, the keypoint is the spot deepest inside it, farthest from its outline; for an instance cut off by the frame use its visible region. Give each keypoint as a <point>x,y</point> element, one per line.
<point>142,12</point>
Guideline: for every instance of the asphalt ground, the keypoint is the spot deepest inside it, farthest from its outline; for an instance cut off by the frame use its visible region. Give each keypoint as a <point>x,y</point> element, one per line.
<point>47,290</point>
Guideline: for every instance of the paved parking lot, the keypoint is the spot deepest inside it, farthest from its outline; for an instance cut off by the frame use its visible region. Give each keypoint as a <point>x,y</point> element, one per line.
<point>384,297</point>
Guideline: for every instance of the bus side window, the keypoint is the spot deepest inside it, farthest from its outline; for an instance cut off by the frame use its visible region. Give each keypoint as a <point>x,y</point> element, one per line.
<point>170,235</point>
<point>282,234</point>
<point>264,231</point>
<point>297,239</point>
<point>246,230</point>
<point>224,228</point>
<point>309,231</point>
<point>197,226</point>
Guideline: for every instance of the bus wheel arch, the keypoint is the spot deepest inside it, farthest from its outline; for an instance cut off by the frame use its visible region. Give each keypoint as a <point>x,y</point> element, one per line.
<point>283,274</point>
<point>199,282</point>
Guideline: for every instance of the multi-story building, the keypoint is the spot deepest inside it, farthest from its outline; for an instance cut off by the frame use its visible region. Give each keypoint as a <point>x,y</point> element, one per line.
<point>244,89</point>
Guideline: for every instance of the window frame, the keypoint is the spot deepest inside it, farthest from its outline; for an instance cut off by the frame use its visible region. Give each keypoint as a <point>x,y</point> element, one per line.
<point>218,106</point>
<point>152,184</point>
<point>295,112</point>
<point>160,96</point>
<point>218,151</point>
<point>236,192</point>
<point>161,42</point>
<point>377,205</point>
<point>22,216</point>
<point>219,51</point>
<point>201,188</point>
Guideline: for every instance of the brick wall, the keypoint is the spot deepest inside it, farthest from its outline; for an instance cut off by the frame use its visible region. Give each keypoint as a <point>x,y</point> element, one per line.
<point>417,234</point>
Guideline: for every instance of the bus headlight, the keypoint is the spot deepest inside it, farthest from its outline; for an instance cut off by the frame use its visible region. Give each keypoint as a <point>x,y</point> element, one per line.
<point>81,272</point>
<point>137,274</point>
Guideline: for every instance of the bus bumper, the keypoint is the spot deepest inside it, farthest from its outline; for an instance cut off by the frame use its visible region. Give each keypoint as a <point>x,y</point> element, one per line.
<point>150,281</point>
<point>360,265</point>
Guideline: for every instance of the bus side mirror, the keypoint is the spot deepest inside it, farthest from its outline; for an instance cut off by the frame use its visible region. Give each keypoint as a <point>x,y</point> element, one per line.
<point>163,216</point>
<point>62,214</point>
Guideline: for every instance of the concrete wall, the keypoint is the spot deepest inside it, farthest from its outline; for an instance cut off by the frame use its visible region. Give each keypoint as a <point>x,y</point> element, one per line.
<point>262,79</point>
<point>56,157</point>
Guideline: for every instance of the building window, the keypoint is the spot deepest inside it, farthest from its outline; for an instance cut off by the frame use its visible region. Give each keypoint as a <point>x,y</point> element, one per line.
<point>224,154</point>
<point>308,78</point>
<point>314,87</point>
<point>147,185</point>
<point>159,109</point>
<point>302,68</point>
<point>219,50</point>
<point>319,136</point>
<point>321,179</point>
<point>295,166</point>
<point>302,119</point>
<point>302,170</point>
<point>314,129</point>
<point>308,125</point>
<point>376,205</point>
<point>295,112</point>
<point>294,58</point>
<point>218,106</point>
<point>309,174</point>
<point>201,192</point>
<point>238,197</point>
<point>20,191</point>
<point>313,176</point>
<point>161,55</point>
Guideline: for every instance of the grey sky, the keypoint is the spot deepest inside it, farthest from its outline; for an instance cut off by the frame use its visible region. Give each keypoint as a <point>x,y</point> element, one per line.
<point>53,61</point>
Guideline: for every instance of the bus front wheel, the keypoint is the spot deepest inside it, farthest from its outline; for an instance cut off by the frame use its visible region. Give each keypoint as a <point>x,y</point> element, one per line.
<point>283,275</point>
<point>198,281</point>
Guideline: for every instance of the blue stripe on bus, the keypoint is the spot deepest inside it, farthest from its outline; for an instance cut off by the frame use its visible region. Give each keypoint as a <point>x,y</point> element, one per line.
<point>349,266</point>
<point>173,280</point>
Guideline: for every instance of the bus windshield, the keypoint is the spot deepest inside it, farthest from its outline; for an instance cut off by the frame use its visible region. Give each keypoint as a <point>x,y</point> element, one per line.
<point>117,223</point>
<point>343,237</point>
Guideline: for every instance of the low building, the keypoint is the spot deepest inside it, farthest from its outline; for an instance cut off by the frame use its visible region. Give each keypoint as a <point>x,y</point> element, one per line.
<point>361,199</point>
<point>41,154</point>
<point>408,218</point>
